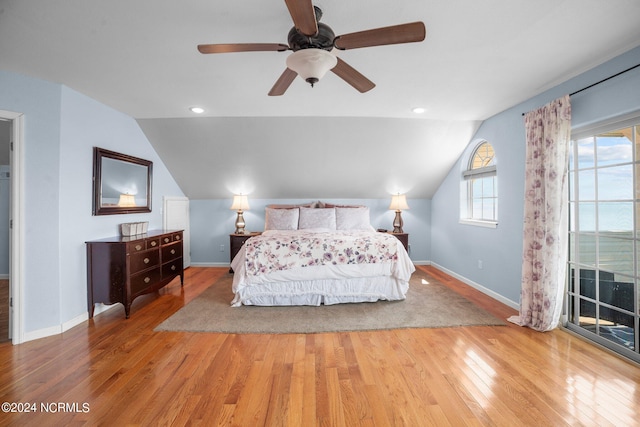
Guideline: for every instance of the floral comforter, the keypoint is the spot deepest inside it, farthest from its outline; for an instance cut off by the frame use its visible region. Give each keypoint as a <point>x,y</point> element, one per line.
<point>311,267</point>
<point>285,251</point>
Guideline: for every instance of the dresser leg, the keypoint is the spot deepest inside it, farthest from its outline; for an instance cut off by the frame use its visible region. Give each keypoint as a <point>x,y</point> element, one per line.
<point>127,310</point>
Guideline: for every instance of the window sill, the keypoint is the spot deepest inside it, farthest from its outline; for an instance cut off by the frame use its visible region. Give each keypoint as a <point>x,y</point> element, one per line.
<point>479,223</point>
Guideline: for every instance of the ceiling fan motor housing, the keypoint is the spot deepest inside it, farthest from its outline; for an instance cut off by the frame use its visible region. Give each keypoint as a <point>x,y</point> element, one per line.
<point>322,40</point>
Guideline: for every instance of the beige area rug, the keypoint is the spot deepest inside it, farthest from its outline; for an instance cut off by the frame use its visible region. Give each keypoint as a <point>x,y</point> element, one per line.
<point>429,304</point>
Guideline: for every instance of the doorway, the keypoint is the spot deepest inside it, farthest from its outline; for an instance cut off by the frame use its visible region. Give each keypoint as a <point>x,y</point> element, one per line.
<point>604,254</point>
<point>5,188</point>
<point>16,212</point>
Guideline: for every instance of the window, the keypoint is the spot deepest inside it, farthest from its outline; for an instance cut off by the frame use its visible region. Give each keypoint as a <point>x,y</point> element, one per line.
<point>481,185</point>
<point>604,236</point>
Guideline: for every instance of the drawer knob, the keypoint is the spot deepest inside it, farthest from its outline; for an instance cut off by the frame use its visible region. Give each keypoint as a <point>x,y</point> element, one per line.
<point>177,237</point>
<point>173,251</point>
<point>147,279</point>
<point>167,240</point>
<point>153,243</point>
<point>138,247</point>
<point>173,268</point>
<point>146,260</point>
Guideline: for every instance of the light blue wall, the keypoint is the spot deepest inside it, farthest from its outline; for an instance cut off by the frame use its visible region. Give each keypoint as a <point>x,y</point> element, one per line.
<point>40,103</point>
<point>61,128</point>
<point>458,247</point>
<point>211,222</point>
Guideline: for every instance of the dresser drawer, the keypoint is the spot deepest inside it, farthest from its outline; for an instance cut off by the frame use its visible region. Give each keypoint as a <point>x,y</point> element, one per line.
<point>137,246</point>
<point>172,268</point>
<point>144,260</point>
<point>141,281</point>
<point>143,245</point>
<point>172,251</point>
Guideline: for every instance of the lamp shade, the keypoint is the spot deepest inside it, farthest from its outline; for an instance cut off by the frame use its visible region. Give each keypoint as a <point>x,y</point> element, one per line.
<point>127,200</point>
<point>240,203</point>
<point>399,202</point>
<point>311,64</point>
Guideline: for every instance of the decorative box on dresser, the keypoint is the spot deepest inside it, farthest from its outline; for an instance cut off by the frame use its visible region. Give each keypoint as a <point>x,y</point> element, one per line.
<point>120,269</point>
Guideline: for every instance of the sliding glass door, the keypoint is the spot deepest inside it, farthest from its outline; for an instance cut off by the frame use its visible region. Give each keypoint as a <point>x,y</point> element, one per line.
<point>604,233</point>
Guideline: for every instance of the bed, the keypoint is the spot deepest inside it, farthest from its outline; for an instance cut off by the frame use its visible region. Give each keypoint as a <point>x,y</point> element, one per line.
<point>319,254</point>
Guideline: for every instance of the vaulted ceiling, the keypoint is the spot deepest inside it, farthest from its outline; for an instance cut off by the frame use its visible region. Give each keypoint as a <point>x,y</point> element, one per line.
<point>479,58</point>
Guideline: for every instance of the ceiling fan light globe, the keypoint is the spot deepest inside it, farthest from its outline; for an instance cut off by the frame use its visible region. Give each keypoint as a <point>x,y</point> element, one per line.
<point>311,64</point>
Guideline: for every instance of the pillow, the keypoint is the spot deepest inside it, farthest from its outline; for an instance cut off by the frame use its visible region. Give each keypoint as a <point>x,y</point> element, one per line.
<point>317,218</point>
<point>281,219</point>
<point>353,219</point>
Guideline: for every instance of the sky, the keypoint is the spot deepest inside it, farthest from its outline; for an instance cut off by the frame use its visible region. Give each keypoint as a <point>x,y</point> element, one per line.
<point>605,169</point>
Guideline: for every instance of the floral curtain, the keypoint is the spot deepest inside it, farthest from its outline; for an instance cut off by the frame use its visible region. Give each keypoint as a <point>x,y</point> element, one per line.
<point>544,255</point>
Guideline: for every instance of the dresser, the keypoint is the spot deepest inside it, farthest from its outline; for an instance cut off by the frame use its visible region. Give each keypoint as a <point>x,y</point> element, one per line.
<point>120,269</point>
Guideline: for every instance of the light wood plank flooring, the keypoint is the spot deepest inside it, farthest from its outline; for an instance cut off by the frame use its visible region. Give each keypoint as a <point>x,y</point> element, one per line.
<point>471,376</point>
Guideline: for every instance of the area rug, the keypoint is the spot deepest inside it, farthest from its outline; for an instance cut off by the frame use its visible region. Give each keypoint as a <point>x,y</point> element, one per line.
<point>429,304</point>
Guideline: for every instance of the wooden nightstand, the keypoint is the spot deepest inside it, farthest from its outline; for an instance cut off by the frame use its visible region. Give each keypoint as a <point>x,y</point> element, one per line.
<point>236,241</point>
<point>403,237</point>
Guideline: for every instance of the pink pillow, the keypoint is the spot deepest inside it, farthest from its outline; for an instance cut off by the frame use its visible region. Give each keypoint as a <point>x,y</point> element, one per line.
<point>281,219</point>
<point>353,219</point>
<point>317,218</point>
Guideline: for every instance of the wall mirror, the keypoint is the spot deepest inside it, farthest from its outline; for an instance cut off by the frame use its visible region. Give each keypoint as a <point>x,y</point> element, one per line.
<point>121,183</point>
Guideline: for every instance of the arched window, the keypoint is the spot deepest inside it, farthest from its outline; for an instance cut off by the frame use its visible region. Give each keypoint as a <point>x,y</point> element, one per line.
<point>481,185</point>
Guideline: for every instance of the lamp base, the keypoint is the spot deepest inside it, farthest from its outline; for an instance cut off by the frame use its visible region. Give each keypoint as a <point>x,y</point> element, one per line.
<point>398,223</point>
<point>240,224</point>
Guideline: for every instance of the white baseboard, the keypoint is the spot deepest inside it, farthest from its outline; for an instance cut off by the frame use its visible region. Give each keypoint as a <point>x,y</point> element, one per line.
<point>101,308</point>
<point>42,333</point>
<point>479,287</point>
<point>58,329</point>
<point>75,321</point>
<point>210,264</point>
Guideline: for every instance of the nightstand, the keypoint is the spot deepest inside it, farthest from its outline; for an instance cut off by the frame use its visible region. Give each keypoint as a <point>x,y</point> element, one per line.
<point>403,237</point>
<point>236,241</point>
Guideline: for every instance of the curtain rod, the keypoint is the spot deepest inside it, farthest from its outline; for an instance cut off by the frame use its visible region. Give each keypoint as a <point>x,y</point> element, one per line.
<point>602,81</point>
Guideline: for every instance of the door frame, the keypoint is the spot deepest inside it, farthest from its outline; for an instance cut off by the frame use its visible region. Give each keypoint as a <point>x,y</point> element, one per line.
<point>16,231</point>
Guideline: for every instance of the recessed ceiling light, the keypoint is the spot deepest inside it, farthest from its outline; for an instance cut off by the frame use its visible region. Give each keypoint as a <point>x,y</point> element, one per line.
<point>197,110</point>
<point>418,110</point>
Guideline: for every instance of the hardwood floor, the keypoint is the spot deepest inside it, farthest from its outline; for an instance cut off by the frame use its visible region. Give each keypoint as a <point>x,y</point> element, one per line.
<point>112,371</point>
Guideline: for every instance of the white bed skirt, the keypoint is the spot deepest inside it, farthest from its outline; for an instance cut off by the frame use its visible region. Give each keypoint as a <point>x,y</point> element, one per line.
<point>323,291</point>
<point>323,284</point>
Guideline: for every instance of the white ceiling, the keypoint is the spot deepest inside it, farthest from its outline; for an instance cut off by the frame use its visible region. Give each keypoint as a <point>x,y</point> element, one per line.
<point>479,58</point>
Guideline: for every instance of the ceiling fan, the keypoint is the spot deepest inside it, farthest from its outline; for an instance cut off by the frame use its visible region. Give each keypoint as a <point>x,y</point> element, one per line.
<point>312,42</point>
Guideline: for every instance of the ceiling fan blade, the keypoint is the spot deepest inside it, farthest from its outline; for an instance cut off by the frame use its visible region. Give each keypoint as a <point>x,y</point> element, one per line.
<point>242,47</point>
<point>283,83</point>
<point>404,33</point>
<point>303,15</point>
<point>349,74</point>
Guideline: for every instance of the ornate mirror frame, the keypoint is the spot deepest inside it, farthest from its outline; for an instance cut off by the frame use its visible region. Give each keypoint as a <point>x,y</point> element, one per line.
<point>121,183</point>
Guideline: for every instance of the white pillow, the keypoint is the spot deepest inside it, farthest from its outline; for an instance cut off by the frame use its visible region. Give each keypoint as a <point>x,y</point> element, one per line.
<point>353,219</point>
<point>281,219</point>
<point>317,218</point>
